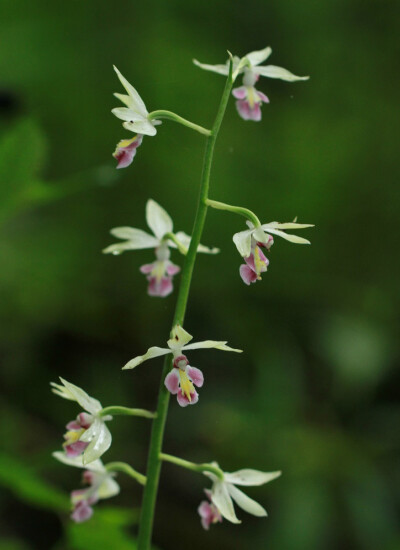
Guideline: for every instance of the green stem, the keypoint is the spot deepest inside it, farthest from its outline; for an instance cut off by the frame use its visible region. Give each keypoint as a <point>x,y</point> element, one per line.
<point>154,462</point>
<point>126,411</point>
<point>126,469</point>
<point>169,115</point>
<point>200,468</point>
<point>248,214</point>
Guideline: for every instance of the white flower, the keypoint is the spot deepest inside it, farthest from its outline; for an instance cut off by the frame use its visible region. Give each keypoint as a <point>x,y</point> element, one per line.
<point>251,62</point>
<point>159,273</point>
<point>161,224</point>
<point>180,381</point>
<point>87,437</point>
<point>249,99</point>
<point>101,485</point>
<point>250,243</point>
<point>224,491</point>
<point>244,239</point>
<point>177,344</point>
<point>135,114</point>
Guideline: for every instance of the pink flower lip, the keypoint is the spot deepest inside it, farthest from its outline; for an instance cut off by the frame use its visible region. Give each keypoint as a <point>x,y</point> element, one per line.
<point>75,449</point>
<point>209,513</point>
<point>82,512</point>
<point>161,288</point>
<point>126,151</point>
<point>184,401</point>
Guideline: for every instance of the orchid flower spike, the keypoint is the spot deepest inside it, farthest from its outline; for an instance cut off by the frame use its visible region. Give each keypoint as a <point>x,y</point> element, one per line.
<point>87,437</point>
<point>101,484</point>
<point>249,99</point>
<point>136,119</point>
<point>161,271</point>
<point>250,242</point>
<point>224,491</point>
<point>180,381</point>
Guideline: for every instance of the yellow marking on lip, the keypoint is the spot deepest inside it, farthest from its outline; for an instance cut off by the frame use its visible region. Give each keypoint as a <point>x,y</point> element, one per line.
<point>72,436</point>
<point>250,96</point>
<point>258,262</point>
<point>126,142</point>
<point>158,271</point>
<point>186,385</point>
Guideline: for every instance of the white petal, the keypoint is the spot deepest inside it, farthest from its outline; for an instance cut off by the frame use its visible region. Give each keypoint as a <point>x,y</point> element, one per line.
<point>279,72</point>
<point>144,127</point>
<point>220,69</point>
<point>158,219</point>
<point>99,437</point>
<point>77,462</point>
<point>211,344</point>
<point>287,236</point>
<point>151,352</point>
<point>123,113</point>
<point>108,488</point>
<point>242,241</point>
<point>259,56</point>
<point>137,238</point>
<point>118,248</point>
<point>179,338</point>
<point>246,503</point>
<point>74,393</point>
<point>259,235</point>
<point>125,99</point>
<point>137,100</point>
<point>222,500</point>
<point>290,225</point>
<point>185,240</point>
<point>250,477</point>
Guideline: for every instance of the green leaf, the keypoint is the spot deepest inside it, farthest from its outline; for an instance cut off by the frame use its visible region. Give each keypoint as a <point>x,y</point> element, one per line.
<point>28,487</point>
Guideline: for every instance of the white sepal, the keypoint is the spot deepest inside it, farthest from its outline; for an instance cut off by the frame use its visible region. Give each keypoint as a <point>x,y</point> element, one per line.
<point>211,344</point>
<point>246,503</point>
<point>158,219</point>
<point>222,500</point>
<point>136,240</point>
<point>99,438</point>
<point>242,241</point>
<point>76,461</point>
<point>288,237</point>
<point>273,71</point>
<point>220,69</point>
<point>179,338</point>
<point>109,488</point>
<point>74,393</point>
<point>250,477</point>
<point>259,56</point>
<point>135,102</point>
<point>141,127</point>
<point>150,354</point>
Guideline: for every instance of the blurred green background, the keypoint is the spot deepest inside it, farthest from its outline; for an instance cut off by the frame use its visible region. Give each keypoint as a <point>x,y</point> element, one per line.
<point>315,392</point>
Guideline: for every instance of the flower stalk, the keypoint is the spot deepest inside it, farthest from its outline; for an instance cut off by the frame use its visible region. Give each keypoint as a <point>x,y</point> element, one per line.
<point>126,411</point>
<point>169,115</point>
<point>200,468</point>
<point>154,461</point>
<point>248,214</point>
<point>126,469</point>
